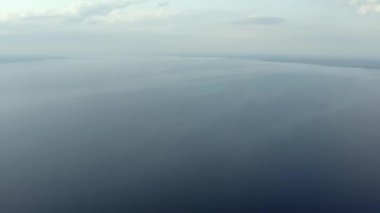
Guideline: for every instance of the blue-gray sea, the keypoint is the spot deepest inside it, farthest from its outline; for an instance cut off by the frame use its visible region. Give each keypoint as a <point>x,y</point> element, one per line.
<point>178,134</point>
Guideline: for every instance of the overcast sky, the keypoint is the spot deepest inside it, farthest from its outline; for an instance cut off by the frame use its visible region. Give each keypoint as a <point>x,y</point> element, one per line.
<point>61,27</point>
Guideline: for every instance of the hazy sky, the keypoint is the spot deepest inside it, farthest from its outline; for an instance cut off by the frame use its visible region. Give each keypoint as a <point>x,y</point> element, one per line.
<point>333,27</point>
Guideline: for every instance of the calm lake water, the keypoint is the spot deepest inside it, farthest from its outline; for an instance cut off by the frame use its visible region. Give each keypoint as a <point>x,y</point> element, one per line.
<point>159,134</point>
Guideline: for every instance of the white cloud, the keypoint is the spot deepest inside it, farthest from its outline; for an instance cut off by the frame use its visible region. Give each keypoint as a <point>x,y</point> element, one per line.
<point>77,12</point>
<point>370,6</point>
<point>364,6</point>
<point>120,16</point>
<point>91,8</point>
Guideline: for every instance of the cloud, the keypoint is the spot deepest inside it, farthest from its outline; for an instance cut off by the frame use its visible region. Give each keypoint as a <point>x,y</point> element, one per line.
<point>370,6</point>
<point>364,6</point>
<point>262,20</point>
<point>76,12</point>
<point>97,11</point>
<point>93,8</point>
<point>119,16</point>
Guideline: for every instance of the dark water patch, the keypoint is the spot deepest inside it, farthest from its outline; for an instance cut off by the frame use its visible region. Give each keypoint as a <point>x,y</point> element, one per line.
<point>347,62</point>
<point>25,58</point>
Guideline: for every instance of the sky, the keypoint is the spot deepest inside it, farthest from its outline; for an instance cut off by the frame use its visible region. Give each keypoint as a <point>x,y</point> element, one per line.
<point>291,27</point>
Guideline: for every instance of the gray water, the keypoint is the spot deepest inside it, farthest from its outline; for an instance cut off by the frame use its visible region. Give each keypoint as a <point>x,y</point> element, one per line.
<point>172,134</point>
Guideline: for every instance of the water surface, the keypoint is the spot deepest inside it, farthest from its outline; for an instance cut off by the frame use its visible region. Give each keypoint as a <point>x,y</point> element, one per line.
<point>172,134</point>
